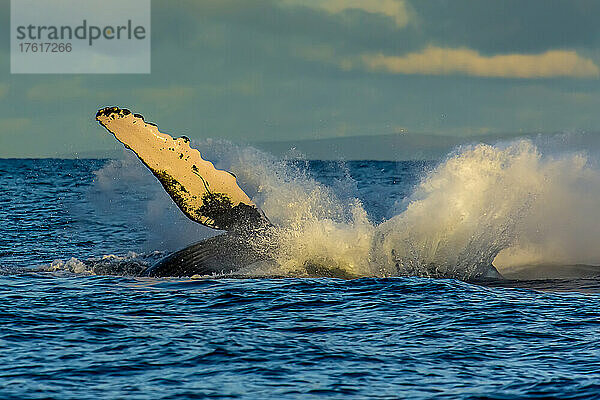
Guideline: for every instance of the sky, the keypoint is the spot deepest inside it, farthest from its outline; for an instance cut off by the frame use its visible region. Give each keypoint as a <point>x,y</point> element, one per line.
<point>292,70</point>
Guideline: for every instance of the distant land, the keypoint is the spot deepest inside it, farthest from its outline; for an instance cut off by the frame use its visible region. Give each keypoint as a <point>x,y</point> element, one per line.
<point>394,147</point>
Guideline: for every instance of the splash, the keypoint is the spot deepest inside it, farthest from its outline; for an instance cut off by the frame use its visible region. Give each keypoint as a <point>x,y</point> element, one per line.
<point>131,264</point>
<point>463,213</point>
<point>508,205</point>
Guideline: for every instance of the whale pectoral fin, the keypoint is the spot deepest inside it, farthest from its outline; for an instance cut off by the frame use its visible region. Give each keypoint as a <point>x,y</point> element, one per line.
<point>205,194</point>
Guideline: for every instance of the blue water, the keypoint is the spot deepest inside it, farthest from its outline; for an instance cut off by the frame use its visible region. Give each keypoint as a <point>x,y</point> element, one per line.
<point>69,335</point>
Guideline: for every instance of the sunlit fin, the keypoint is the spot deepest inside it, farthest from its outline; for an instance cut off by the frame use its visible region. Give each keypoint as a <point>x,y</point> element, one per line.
<point>205,194</point>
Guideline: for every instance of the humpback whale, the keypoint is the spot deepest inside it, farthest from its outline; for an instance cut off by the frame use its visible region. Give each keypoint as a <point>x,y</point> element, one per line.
<point>205,194</point>
<point>210,197</point>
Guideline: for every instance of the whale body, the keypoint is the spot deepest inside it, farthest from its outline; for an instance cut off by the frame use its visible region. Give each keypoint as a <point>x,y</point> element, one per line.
<point>222,254</point>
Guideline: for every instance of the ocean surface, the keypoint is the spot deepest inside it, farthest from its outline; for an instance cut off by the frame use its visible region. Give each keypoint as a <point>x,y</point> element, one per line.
<point>76,322</point>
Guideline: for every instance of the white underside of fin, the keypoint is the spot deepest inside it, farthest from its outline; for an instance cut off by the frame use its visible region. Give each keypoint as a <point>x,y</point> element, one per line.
<point>190,181</point>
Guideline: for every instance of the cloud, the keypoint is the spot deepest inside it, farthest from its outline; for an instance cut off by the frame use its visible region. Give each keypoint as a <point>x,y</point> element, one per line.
<point>52,90</point>
<point>164,94</point>
<point>10,126</point>
<point>531,26</point>
<point>3,90</point>
<point>461,61</point>
<point>395,9</point>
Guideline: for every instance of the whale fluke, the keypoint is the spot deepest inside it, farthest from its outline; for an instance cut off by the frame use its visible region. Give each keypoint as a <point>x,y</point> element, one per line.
<point>205,194</point>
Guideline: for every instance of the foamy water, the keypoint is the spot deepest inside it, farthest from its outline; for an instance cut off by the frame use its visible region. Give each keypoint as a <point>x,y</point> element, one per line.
<point>507,204</point>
